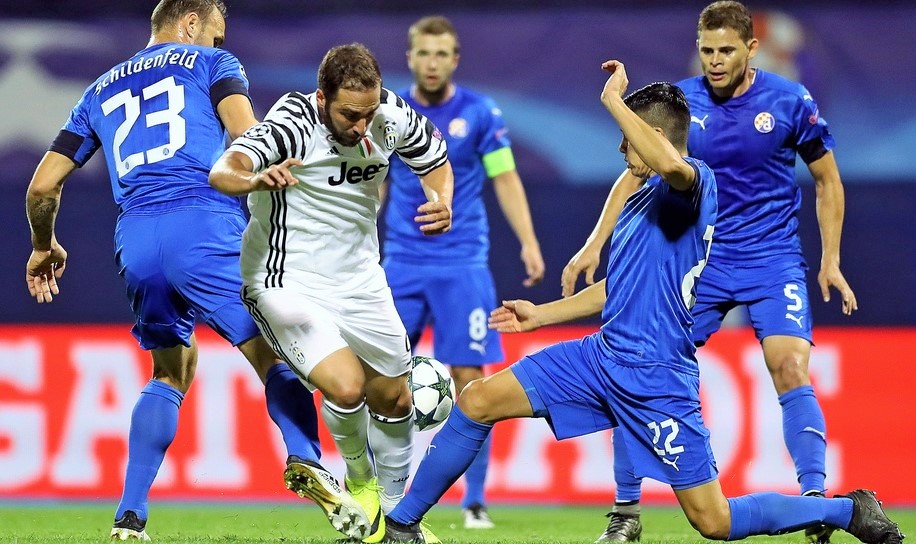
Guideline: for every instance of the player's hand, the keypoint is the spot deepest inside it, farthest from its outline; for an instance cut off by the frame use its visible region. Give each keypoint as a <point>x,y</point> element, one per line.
<point>830,276</point>
<point>534,264</point>
<point>43,270</point>
<point>276,177</point>
<point>514,316</point>
<point>585,260</point>
<point>435,218</point>
<point>617,83</point>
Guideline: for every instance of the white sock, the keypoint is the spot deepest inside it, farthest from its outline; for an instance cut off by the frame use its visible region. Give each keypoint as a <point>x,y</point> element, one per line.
<point>350,428</point>
<point>391,440</point>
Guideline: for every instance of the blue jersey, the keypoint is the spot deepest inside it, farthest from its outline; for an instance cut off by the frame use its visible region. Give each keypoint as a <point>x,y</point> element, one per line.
<point>141,112</point>
<point>751,142</point>
<point>658,250</point>
<point>473,129</point>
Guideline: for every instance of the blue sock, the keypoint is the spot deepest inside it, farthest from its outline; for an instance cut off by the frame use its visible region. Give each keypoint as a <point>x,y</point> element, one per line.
<point>153,424</point>
<point>291,407</point>
<point>805,432</point>
<point>449,455</point>
<point>476,476</point>
<point>628,485</point>
<point>775,514</point>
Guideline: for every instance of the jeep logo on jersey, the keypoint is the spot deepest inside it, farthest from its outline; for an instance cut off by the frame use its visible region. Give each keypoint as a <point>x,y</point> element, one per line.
<point>354,174</point>
<point>391,137</point>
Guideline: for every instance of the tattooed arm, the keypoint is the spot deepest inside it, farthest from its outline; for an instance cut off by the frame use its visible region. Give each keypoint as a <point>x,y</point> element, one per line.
<point>48,259</point>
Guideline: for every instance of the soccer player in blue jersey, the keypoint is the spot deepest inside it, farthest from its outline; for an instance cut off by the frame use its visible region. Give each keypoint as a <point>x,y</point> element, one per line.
<point>639,372</point>
<point>445,281</point>
<point>749,125</point>
<point>162,117</point>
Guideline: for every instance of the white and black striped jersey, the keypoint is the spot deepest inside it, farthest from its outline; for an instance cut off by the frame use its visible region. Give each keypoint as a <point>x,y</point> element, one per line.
<point>322,233</point>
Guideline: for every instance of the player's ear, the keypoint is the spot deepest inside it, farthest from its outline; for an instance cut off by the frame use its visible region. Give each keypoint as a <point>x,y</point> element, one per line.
<point>191,24</point>
<point>752,47</point>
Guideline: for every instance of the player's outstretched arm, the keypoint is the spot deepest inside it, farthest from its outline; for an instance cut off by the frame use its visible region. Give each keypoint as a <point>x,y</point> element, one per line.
<point>48,260</point>
<point>523,316</point>
<point>510,193</point>
<point>654,149</point>
<point>831,204</point>
<point>588,257</point>
<point>435,216</point>
<point>232,174</point>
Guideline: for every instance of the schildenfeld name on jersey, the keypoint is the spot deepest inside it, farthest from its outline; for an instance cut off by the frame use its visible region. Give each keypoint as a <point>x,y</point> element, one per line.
<point>355,174</point>
<point>139,64</point>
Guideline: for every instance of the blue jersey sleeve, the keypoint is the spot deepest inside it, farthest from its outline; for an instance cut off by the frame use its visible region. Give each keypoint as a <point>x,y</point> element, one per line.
<point>812,138</point>
<point>227,77</point>
<point>494,134</point>
<point>76,139</point>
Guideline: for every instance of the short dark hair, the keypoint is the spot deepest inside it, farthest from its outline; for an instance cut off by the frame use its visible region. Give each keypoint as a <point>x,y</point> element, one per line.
<point>663,105</point>
<point>727,14</point>
<point>169,11</point>
<point>352,67</point>
<point>435,25</point>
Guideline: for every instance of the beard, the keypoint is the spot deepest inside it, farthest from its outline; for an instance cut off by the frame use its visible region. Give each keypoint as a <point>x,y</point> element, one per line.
<point>434,95</point>
<point>344,139</point>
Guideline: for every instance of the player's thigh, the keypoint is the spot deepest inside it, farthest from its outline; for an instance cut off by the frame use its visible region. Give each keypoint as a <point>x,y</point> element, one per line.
<point>301,331</point>
<point>407,283</point>
<point>778,299</point>
<point>204,269</point>
<point>164,319</point>
<point>658,411</point>
<point>461,299</point>
<point>371,327</point>
<point>565,385</point>
<point>714,298</point>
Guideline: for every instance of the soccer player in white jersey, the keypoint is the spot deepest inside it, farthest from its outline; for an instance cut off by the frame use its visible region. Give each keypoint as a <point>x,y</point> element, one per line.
<point>310,258</point>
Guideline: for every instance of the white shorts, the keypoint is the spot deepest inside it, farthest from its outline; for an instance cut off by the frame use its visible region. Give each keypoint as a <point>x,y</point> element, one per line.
<point>304,328</point>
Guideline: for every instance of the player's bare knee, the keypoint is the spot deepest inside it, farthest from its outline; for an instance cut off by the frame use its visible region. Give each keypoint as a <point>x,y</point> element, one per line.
<point>463,375</point>
<point>260,355</point>
<point>789,372</point>
<point>394,401</point>
<point>345,393</point>
<point>712,524</point>
<point>474,402</point>
<point>178,377</point>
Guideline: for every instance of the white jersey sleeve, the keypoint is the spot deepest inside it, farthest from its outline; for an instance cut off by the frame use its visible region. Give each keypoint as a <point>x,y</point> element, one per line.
<point>285,132</point>
<point>420,143</point>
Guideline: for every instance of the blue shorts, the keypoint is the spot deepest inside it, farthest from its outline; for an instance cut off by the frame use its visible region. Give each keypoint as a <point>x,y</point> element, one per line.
<point>580,388</point>
<point>456,301</point>
<point>180,265</point>
<point>774,292</point>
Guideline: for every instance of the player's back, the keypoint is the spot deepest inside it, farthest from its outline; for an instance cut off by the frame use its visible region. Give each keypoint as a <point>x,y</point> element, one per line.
<point>155,117</point>
<point>657,252</point>
<point>751,142</point>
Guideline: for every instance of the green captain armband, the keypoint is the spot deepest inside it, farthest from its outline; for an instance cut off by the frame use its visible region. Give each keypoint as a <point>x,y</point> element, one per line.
<point>499,162</point>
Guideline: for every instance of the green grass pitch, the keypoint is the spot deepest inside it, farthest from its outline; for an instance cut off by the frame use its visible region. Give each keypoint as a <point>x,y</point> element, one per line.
<point>303,523</point>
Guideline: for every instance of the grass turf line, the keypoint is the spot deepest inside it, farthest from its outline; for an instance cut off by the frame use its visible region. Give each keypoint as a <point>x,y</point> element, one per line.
<point>193,523</point>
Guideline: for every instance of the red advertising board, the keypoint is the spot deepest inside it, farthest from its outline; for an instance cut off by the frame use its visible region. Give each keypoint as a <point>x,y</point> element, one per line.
<point>66,395</point>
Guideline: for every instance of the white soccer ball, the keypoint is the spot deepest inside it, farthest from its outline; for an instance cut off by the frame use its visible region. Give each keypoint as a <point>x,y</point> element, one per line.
<point>433,392</point>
